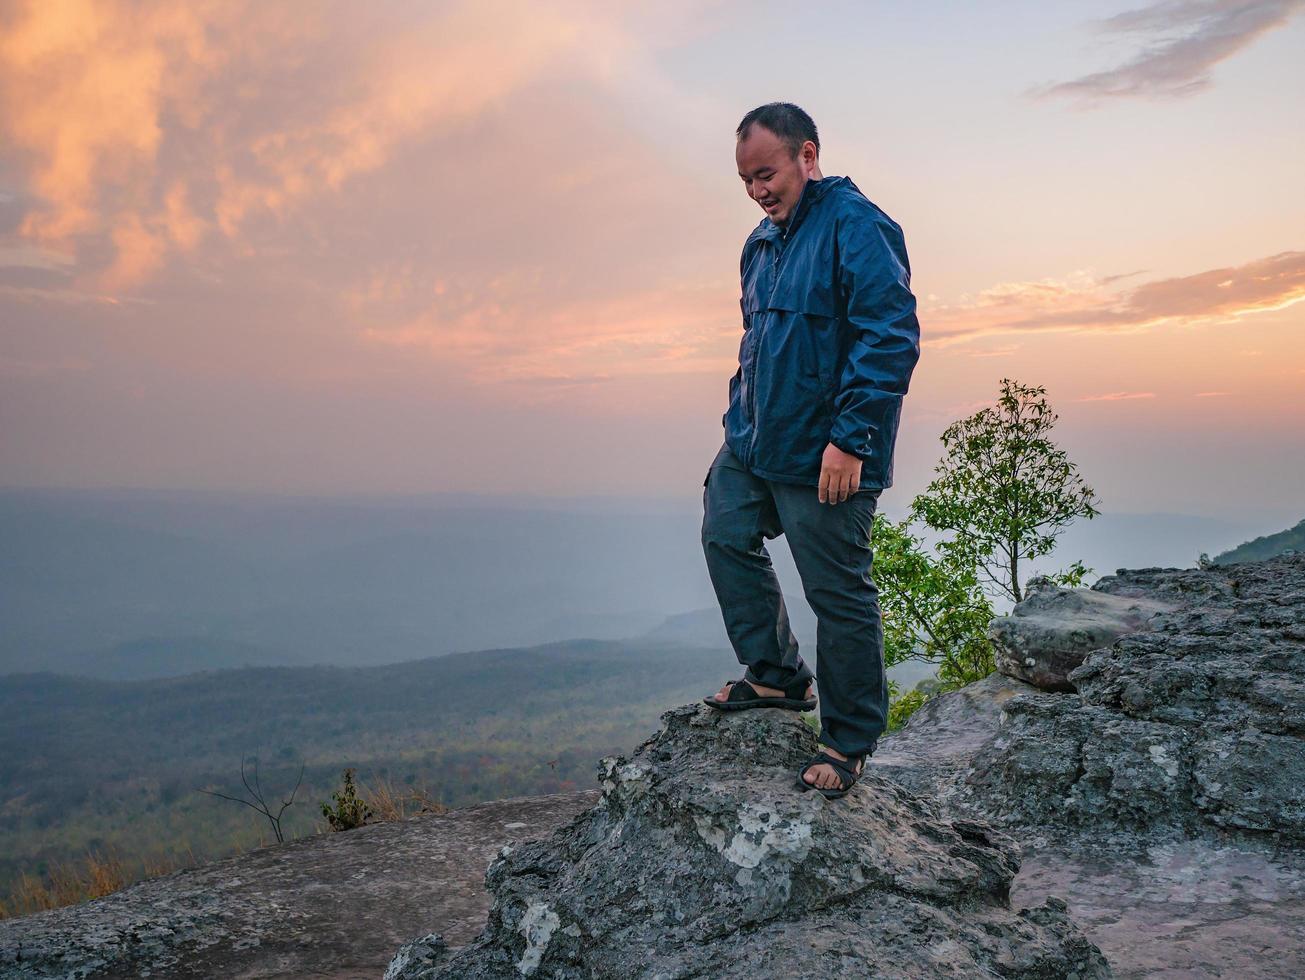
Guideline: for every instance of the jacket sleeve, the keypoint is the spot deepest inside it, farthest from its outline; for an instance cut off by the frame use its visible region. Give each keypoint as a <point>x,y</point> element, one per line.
<point>874,276</point>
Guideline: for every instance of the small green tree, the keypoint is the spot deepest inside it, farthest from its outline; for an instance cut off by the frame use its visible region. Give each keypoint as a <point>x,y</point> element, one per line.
<point>349,811</point>
<point>932,606</point>
<point>1005,491</point>
<point>900,711</point>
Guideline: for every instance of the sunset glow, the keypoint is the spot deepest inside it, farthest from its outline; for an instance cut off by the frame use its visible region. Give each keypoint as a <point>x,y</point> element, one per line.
<point>390,247</point>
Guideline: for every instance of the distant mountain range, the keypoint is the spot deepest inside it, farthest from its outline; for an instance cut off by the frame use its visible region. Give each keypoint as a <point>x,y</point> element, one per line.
<point>137,584</point>
<point>89,762</point>
<point>1290,540</point>
<point>86,578</point>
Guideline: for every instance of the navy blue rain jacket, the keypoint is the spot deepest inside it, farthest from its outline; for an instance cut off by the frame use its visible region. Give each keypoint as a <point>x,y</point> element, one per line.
<point>830,338</point>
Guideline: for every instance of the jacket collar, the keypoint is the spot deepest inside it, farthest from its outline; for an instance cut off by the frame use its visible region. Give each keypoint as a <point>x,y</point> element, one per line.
<point>812,191</point>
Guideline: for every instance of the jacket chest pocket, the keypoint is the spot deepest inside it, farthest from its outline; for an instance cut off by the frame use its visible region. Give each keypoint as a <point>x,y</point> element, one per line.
<point>752,314</point>
<point>812,313</point>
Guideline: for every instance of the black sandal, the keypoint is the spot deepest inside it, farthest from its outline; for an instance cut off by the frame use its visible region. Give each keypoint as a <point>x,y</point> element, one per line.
<point>846,770</point>
<point>744,695</point>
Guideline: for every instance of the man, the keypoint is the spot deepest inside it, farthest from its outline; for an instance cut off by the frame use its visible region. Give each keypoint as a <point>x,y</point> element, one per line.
<point>830,339</point>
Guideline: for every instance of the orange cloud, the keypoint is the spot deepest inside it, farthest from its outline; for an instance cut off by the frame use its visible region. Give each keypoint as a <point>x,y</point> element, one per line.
<point>1267,284</point>
<point>1082,303</point>
<point>436,74</point>
<point>83,96</point>
<point>142,128</point>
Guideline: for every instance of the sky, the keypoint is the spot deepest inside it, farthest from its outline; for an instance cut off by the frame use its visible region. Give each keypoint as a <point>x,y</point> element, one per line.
<point>396,248</point>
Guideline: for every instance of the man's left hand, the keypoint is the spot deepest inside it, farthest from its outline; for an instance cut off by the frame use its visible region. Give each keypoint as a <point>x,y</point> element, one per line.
<point>840,475</point>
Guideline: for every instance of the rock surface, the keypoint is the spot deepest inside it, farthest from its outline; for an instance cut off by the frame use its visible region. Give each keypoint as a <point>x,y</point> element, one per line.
<point>1053,629</point>
<point>704,859</point>
<point>934,753</point>
<point>330,905</point>
<point>1178,910</point>
<point>1196,722</point>
<point>1164,800</point>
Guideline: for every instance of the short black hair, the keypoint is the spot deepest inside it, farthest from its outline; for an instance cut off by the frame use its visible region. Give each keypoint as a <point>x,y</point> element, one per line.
<point>787,121</point>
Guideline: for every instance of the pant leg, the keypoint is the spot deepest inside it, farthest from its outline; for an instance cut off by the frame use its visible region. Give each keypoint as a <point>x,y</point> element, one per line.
<point>832,550</point>
<point>738,513</point>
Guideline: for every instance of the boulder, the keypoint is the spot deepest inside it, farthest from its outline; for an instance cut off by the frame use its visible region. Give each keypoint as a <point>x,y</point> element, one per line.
<point>704,858</point>
<point>1049,633</point>
<point>1196,723</point>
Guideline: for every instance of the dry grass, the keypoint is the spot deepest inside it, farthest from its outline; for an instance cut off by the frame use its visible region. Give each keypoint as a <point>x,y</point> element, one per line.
<point>97,874</point>
<point>102,873</point>
<point>389,802</point>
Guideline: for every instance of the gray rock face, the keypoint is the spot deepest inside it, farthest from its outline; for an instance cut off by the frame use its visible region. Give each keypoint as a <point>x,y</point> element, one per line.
<point>933,752</point>
<point>1048,634</point>
<point>1197,722</point>
<point>704,859</point>
<point>1164,800</point>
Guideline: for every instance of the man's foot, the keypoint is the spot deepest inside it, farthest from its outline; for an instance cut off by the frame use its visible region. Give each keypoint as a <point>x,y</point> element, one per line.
<point>822,776</point>
<point>765,692</point>
<point>742,694</point>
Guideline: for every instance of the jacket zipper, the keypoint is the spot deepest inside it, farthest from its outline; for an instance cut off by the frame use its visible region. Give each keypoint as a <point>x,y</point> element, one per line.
<point>752,387</point>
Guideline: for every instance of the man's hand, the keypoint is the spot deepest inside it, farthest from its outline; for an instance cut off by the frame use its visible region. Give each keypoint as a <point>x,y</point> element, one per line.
<point>840,475</point>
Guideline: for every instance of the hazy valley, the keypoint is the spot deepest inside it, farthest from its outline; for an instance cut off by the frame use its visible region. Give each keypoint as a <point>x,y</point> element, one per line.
<point>151,640</point>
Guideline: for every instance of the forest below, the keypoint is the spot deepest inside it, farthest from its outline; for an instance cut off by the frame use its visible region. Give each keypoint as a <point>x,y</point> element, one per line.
<point>94,764</point>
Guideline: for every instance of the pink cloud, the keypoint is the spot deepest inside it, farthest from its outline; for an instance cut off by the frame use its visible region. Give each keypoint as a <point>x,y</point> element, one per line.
<point>1081,303</point>
<point>1116,396</point>
<point>142,130</point>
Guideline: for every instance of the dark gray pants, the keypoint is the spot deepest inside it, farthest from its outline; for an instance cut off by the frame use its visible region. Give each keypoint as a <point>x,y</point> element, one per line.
<point>831,549</point>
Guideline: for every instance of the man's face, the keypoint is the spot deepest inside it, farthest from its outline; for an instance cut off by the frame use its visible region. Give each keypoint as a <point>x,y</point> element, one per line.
<point>772,177</point>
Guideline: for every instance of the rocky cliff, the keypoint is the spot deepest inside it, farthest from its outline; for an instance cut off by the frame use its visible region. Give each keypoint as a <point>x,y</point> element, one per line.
<point>1142,744</point>
<point>1124,798</point>
<point>1190,720</point>
<point>1156,780</point>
